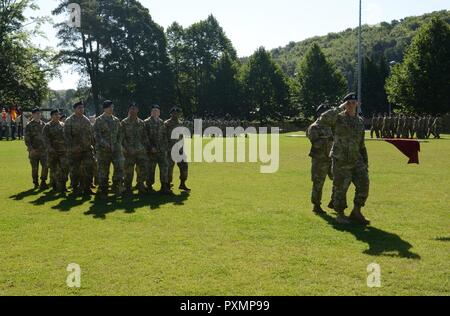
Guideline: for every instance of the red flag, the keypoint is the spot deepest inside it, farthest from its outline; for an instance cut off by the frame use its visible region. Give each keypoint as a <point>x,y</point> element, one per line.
<point>409,147</point>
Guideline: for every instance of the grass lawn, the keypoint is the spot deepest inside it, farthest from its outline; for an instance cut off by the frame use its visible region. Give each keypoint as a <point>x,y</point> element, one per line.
<point>238,233</point>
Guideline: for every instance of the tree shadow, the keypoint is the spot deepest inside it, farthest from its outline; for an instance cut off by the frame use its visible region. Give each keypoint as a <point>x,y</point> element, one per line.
<point>101,207</point>
<point>20,196</point>
<point>381,243</point>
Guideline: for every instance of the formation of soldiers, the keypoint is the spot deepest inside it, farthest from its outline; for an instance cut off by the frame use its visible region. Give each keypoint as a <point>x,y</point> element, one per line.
<point>338,151</point>
<point>404,126</point>
<point>84,152</point>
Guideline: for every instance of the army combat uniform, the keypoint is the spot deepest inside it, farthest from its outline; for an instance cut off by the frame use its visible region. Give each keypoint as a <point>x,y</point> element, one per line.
<point>321,138</point>
<point>171,125</point>
<point>108,148</point>
<point>349,156</point>
<point>79,141</point>
<point>157,137</point>
<point>57,156</point>
<point>34,140</point>
<point>135,144</point>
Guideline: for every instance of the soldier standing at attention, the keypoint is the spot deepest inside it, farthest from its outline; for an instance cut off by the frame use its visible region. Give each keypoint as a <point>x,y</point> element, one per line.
<point>170,125</point>
<point>135,144</point>
<point>108,148</point>
<point>79,141</point>
<point>321,138</point>
<point>157,150</point>
<point>349,156</point>
<point>34,140</point>
<point>386,126</point>
<point>373,128</point>
<point>56,146</point>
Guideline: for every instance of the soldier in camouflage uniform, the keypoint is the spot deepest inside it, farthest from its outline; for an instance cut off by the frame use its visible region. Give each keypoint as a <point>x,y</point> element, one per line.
<point>157,150</point>
<point>170,125</point>
<point>386,126</point>
<point>321,138</point>
<point>34,140</point>
<point>79,141</point>
<point>135,144</point>
<point>350,159</point>
<point>108,148</point>
<point>57,155</point>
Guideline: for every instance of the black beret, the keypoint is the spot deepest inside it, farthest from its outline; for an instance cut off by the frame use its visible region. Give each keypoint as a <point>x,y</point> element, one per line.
<point>78,104</point>
<point>35,110</point>
<point>322,109</point>
<point>133,105</point>
<point>350,97</point>
<point>107,104</point>
<point>54,112</point>
<point>156,106</point>
<point>175,109</point>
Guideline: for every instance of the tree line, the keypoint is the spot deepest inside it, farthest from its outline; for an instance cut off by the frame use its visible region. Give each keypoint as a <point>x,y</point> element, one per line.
<point>124,55</point>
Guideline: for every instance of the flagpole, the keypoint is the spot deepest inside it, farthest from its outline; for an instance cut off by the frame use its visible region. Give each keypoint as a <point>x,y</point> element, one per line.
<point>360,58</point>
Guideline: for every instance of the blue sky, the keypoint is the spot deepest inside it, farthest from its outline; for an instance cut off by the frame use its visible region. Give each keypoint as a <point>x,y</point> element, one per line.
<point>253,23</point>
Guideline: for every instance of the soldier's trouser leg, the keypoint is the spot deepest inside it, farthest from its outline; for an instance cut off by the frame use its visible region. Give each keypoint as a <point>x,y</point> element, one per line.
<point>129,166</point>
<point>75,170</point>
<point>87,169</point>
<point>371,132</point>
<point>44,164</point>
<point>171,166</point>
<point>319,172</point>
<point>34,162</point>
<point>184,170</point>
<point>141,170</point>
<point>360,178</point>
<point>342,179</point>
<point>104,163</point>
<point>118,162</point>
<point>163,168</point>
<point>152,162</point>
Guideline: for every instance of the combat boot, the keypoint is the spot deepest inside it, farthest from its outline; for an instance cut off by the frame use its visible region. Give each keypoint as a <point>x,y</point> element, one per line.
<point>318,210</point>
<point>331,205</point>
<point>341,218</point>
<point>142,189</point>
<point>165,189</point>
<point>36,185</point>
<point>358,217</point>
<point>183,187</point>
<point>43,186</point>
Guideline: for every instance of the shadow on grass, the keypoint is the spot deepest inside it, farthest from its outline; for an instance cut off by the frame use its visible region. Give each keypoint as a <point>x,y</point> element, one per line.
<point>100,207</point>
<point>443,239</point>
<point>381,243</point>
<point>20,196</point>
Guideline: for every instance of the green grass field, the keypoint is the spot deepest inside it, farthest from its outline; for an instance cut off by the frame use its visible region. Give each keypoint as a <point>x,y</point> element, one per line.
<point>238,233</point>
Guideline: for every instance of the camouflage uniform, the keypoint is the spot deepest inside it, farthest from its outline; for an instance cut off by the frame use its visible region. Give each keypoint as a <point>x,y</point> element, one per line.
<point>34,140</point>
<point>157,137</point>
<point>386,127</point>
<point>79,141</point>
<point>349,156</point>
<point>57,155</point>
<point>321,138</point>
<point>108,148</point>
<point>135,144</point>
<point>170,125</point>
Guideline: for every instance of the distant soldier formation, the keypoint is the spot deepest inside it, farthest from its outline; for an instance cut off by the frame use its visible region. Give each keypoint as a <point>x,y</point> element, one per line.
<point>82,151</point>
<point>405,126</point>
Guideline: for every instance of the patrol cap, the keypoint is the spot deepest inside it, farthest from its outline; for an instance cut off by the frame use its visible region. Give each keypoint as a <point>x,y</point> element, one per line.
<point>107,104</point>
<point>350,97</point>
<point>35,110</point>
<point>54,112</point>
<point>79,103</point>
<point>156,106</point>
<point>175,110</point>
<point>322,109</point>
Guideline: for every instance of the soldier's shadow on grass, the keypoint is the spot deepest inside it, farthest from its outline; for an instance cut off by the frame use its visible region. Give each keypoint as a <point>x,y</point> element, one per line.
<point>381,243</point>
<point>22,195</point>
<point>101,207</point>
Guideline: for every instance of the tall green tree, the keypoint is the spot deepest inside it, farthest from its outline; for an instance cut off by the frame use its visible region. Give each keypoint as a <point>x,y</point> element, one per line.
<point>266,88</point>
<point>374,75</point>
<point>24,68</point>
<point>319,81</point>
<point>422,82</point>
